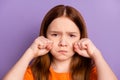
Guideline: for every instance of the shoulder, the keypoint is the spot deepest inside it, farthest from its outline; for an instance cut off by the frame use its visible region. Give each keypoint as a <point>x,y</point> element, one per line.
<point>93,74</point>
<point>28,74</point>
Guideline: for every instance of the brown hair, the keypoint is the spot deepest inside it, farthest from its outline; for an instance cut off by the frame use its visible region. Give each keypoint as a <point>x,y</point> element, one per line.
<point>80,66</point>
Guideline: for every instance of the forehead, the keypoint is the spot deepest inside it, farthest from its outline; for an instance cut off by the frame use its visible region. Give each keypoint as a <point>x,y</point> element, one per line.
<point>63,24</point>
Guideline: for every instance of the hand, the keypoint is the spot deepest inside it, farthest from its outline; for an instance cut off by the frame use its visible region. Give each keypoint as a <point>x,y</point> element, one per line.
<point>41,46</point>
<point>85,48</point>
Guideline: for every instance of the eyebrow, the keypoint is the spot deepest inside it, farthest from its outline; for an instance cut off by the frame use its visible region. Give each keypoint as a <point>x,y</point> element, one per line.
<point>61,32</point>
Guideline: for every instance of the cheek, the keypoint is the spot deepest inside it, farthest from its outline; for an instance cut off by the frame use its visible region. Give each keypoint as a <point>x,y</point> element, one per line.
<point>71,45</point>
<point>55,44</point>
<point>72,41</point>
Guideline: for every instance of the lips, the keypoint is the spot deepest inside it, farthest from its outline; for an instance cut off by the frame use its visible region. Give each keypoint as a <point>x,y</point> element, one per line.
<point>62,51</point>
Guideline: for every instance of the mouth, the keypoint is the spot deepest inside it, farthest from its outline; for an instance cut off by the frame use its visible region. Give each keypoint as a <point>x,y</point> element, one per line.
<point>62,51</point>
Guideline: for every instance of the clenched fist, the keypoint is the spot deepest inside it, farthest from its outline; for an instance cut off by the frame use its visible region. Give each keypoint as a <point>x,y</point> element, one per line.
<point>85,48</point>
<point>41,46</point>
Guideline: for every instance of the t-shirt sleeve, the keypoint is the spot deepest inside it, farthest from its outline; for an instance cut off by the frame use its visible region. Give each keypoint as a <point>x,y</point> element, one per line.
<point>28,74</point>
<point>93,75</point>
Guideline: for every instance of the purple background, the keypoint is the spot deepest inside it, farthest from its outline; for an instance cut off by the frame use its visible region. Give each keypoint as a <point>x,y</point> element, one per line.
<point>20,22</point>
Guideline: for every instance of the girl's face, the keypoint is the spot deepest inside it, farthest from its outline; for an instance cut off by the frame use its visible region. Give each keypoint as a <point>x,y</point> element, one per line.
<point>64,33</point>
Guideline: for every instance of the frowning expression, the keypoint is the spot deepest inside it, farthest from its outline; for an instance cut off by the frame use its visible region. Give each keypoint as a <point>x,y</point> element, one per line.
<point>64,33</point>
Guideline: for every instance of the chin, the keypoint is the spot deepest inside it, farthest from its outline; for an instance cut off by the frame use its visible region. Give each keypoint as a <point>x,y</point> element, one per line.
<point>63,58</point>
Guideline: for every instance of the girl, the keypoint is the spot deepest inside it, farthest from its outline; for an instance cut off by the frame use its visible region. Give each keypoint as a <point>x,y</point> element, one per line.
<point>63,51</point>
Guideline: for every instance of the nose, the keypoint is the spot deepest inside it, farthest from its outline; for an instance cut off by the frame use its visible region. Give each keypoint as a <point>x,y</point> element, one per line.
<point>62,43</point>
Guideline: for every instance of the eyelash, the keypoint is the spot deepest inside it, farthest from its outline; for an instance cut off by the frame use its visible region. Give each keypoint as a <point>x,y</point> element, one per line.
<point>71,35</point>
<point>54,34</point>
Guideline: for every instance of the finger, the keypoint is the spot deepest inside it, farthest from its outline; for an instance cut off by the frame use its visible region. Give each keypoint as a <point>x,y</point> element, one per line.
<point>83,43</point>
<point>75,45</point>
<point>49,46</point>
<point>79,45</point>
<point>79,50</point>
<point>42,52</point>
<point>90,49</point>
<point>41,46</point>
<point>43,42</point>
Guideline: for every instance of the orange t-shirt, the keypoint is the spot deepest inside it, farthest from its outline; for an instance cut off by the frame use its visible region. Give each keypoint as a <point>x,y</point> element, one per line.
<point>58,76</point>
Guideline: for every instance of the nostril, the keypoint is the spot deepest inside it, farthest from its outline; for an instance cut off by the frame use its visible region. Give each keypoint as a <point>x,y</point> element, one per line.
<point>62,43</point>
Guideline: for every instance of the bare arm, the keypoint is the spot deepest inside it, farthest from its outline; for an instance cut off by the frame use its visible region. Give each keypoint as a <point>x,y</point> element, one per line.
<point>40,47</point>
<point>103,69</point>
<point>86,48</point>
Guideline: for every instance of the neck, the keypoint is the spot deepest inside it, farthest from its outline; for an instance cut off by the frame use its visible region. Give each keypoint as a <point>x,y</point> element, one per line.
<point>61,66</point>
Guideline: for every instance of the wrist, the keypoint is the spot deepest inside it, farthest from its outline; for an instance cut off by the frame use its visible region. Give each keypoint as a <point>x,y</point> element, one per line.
<point>97,56</point>
<point>29,53</point>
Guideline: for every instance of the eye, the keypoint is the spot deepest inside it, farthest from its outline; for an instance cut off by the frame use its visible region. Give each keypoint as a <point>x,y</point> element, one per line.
<point>72,35</point>
<point>54,34</point>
